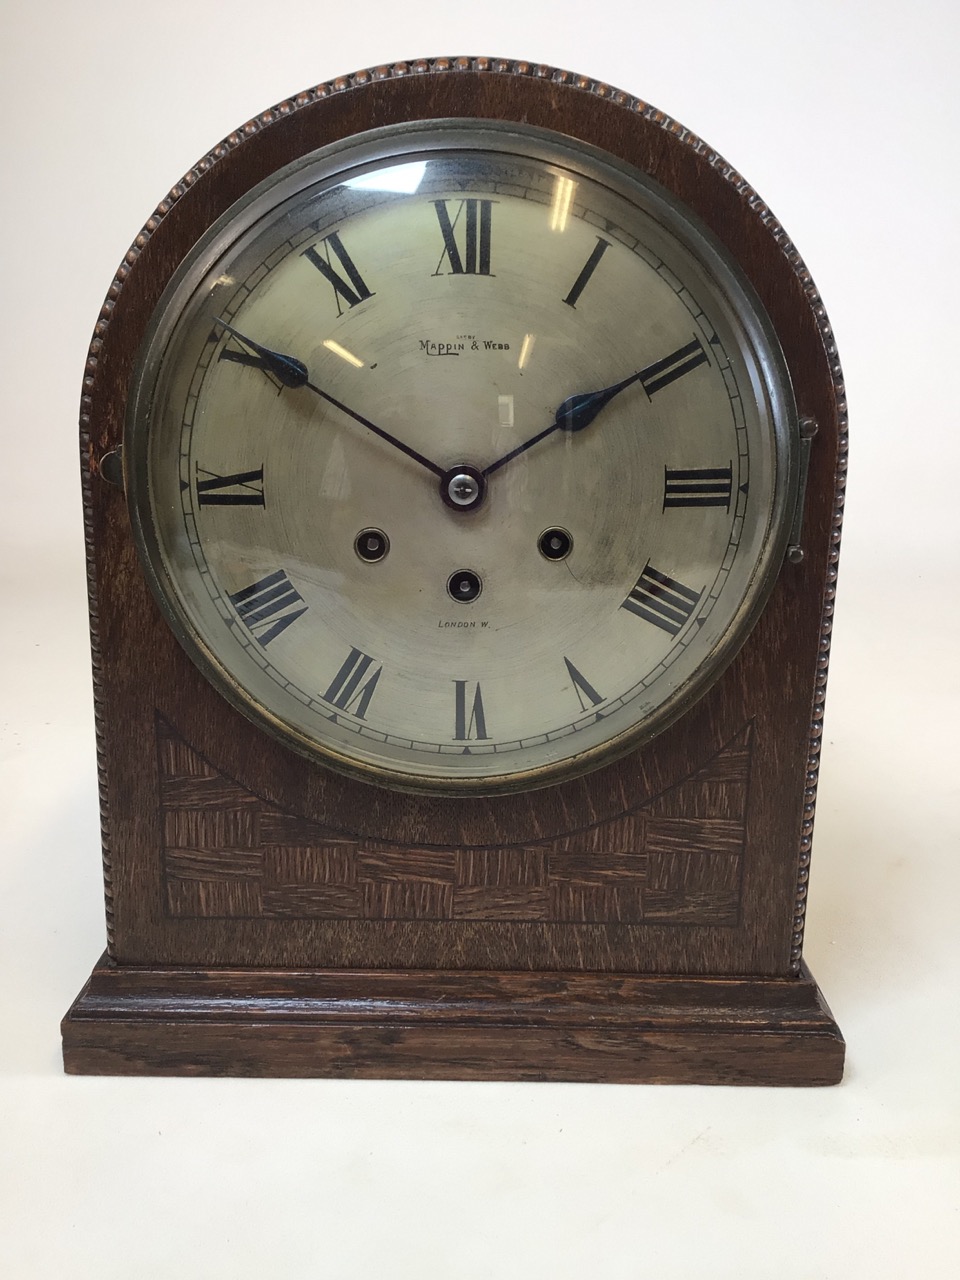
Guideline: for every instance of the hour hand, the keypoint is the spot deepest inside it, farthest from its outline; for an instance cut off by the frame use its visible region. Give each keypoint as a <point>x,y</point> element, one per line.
<point>286,369</point>
<point>579,411</point>
<point>576,412</point>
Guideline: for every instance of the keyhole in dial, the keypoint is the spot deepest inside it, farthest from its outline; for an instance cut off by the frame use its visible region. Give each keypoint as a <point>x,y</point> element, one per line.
<point>371,545</point>
<point>464,586</point>
<point>555,544</point>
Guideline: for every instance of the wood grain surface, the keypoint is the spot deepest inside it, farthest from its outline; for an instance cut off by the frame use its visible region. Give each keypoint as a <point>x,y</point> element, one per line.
<point>467,1026</point>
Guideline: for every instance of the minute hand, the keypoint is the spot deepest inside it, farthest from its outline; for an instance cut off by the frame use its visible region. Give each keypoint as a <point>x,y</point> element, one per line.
<point>378,431</point>
<point>293,373</point>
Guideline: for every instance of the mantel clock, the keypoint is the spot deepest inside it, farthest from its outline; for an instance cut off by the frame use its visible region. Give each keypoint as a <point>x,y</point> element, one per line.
<point>462,448</point>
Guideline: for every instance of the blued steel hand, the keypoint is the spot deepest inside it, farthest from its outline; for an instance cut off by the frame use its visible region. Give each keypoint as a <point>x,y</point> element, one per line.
<point>293,373</point>
<point>576,412</point>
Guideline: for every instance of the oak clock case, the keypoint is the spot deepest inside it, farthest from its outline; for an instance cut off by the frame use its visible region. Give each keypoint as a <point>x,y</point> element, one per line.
<point>458,659</point>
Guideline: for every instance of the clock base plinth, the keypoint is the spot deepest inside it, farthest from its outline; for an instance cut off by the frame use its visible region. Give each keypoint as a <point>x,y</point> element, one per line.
<point>444,1025</point>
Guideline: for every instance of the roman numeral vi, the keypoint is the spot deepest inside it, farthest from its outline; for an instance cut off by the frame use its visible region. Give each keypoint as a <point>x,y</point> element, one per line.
<point>474,724</point>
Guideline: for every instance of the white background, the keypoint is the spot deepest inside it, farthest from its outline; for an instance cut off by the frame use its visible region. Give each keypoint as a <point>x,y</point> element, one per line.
<point>844,118</point>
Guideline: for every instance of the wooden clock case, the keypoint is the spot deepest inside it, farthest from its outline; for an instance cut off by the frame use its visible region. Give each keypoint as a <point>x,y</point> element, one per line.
<point>266,916</point>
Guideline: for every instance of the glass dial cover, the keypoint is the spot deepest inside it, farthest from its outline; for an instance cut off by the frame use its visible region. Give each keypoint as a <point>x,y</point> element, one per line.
<point>461,457</point>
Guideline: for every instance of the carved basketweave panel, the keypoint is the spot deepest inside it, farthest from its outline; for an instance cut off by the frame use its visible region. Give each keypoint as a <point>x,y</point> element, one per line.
<point>676,859</point>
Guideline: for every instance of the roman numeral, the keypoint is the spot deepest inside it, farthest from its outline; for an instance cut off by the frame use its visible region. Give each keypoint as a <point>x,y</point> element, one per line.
<point>243,489</point>
<point>589,267</point>
<point>474,220</point>
<point>351,288</point>
<point>661,600</point>
<point>349,691</point>
<point>585,690</point>
<point>268,607</point>
<point>661,373</point>
<point>697,487</point>
<point>474,725</point>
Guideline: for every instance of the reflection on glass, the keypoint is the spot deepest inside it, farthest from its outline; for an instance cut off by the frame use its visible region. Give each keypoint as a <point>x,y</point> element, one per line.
<point>526,350</point>
<point>405,178</point>
<point>562,200</point>
<point>343,353</point>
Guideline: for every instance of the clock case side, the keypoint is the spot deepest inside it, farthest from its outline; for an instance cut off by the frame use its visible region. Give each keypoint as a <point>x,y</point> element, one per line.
<point>134,655</point>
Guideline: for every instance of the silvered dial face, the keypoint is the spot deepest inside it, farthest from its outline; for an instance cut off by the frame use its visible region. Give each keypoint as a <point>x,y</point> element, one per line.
<point>460,458</point>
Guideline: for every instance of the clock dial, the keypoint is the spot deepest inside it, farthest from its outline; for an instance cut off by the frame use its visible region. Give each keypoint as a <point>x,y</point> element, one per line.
<point>461,458</point>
